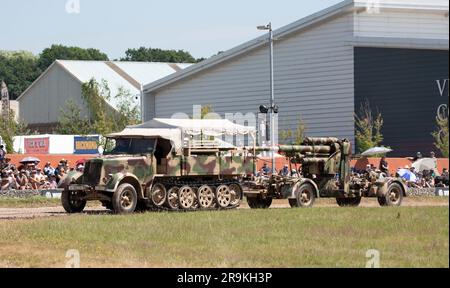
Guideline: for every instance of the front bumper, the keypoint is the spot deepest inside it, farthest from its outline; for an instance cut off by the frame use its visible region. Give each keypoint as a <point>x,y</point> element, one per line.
<point>87,188</point>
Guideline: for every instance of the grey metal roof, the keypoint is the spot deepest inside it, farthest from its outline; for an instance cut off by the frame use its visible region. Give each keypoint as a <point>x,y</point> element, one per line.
<point>126,75</point>
<point>305,23</point>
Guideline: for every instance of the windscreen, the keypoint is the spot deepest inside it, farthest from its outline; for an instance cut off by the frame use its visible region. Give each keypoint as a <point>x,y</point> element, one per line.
<point>130,146</point>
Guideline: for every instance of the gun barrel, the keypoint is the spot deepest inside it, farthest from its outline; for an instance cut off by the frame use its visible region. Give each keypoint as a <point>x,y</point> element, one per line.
<point>321,141</point>
<point>306,149</point>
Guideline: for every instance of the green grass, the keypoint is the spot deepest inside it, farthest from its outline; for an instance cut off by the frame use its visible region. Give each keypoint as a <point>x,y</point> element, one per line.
<point>319,237</point>
<point>31,202</point>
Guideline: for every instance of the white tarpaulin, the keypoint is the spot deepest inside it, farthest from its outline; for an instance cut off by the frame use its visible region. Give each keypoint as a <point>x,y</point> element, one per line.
<point>176,129</point>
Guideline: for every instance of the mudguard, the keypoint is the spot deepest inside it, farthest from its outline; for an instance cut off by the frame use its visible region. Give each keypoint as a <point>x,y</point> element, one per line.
<point>71,178</point>
<point>117,178</point>
<point>300,183</point>
<point>382,191</point>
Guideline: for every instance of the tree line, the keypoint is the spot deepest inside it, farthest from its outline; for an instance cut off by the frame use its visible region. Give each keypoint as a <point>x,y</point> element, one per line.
<point>21,68</point>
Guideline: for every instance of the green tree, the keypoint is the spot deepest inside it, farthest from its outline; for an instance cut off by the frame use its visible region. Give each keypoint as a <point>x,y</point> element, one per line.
<point>104,119</point>
<point>298,135</point>
<point>60,52</point>
<point>368,129</point>
<point>144,54</point>
<point>11,128</point>
<point>71,122</point>
<point>441,136</point>
<point>18,69</point>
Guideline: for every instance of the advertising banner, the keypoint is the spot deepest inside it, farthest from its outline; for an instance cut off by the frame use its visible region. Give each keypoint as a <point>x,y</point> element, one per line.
<point>37,145</point>
<point>86,145</point>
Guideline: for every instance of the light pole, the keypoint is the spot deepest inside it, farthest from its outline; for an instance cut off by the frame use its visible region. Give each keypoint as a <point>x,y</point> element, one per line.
<point>272,94</point>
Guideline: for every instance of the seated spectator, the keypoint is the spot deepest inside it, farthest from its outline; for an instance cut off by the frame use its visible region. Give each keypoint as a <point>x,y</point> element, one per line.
<point>52,182</point>
<point>285,171</point>
<point>22,180</point>
<point>48,169</point>
<point>4,182</point>
<point>34,180</point>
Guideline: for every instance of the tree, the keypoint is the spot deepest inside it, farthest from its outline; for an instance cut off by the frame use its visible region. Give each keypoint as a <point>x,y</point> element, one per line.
<point>11,128</point>
<point>144,54</point>
<point>298,134</point>
<point>60,52</point>
<point>71,122</point>
<point>368,129</point>
<point>104,119</point>
<point>18,69</point>
<point>441,136</point>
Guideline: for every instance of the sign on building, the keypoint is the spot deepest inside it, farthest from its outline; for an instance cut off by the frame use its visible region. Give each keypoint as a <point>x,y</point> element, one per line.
<point>37,145</point>
<point>86,145</point>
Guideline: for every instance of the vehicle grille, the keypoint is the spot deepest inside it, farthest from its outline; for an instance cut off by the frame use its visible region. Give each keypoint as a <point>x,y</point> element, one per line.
<point>92,173</point>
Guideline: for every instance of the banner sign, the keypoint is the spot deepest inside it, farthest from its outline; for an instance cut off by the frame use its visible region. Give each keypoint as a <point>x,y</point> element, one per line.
<point>37,145</point>
<point>86,145</point>
<point>442,192</point>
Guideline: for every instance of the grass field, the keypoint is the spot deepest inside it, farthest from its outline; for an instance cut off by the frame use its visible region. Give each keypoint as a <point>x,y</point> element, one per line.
<point>31,202</point>
<point>319,237</point>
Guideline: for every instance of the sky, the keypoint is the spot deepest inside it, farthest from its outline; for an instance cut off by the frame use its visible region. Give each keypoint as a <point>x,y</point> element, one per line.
<point>202,27</point>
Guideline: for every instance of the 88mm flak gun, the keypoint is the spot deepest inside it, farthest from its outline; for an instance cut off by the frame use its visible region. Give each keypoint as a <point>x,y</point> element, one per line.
<point>325,172</point>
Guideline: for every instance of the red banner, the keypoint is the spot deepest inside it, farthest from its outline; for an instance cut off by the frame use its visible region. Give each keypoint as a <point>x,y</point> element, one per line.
<point>37,145</point>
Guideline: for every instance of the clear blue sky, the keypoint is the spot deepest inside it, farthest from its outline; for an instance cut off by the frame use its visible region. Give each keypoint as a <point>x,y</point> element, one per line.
<point>202,27</point>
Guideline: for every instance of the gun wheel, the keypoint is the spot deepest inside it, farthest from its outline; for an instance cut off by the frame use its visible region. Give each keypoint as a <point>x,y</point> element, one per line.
<point>394,197</point>
<point>306,196</point>
<point>186,196</point>
<point>223,196</point>
<point>172,198</point>
<point>205,196</point>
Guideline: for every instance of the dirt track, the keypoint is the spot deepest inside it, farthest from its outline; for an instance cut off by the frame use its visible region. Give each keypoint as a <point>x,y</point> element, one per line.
<point>30,213</point>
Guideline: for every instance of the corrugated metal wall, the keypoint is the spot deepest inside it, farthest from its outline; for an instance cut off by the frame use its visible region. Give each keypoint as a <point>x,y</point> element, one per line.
<point>43,102</point>
<point>407,24</point>
<point>313,80</point>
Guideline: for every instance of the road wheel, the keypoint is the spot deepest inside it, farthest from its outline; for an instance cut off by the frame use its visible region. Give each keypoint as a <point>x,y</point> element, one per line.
<point>236,195</point>
<point>205,196</point>
<point>349,202</point>
<point>158,195</point>
<point>394,196</point>
<point>306,196</point>
<point>259,202</point>
<point>223,196</point>
<point>186,196</point>
<point>125,199</point>
<point>172,199</point>
<point>72,201</point>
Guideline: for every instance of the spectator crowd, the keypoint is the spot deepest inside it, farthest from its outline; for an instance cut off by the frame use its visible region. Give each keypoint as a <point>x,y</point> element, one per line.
<point>29,176</point>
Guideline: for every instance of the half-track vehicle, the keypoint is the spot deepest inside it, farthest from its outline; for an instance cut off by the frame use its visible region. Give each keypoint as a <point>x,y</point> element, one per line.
<point>324,171</point>
<point>164,164</point>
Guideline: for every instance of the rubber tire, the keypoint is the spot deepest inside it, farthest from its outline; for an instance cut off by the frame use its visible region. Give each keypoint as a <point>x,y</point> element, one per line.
<point>349,202</point>
<point>259,203</point>
<point>117,207</point>
<point>68,206</point>
<point>385,201</point>
<point>311,190</point>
